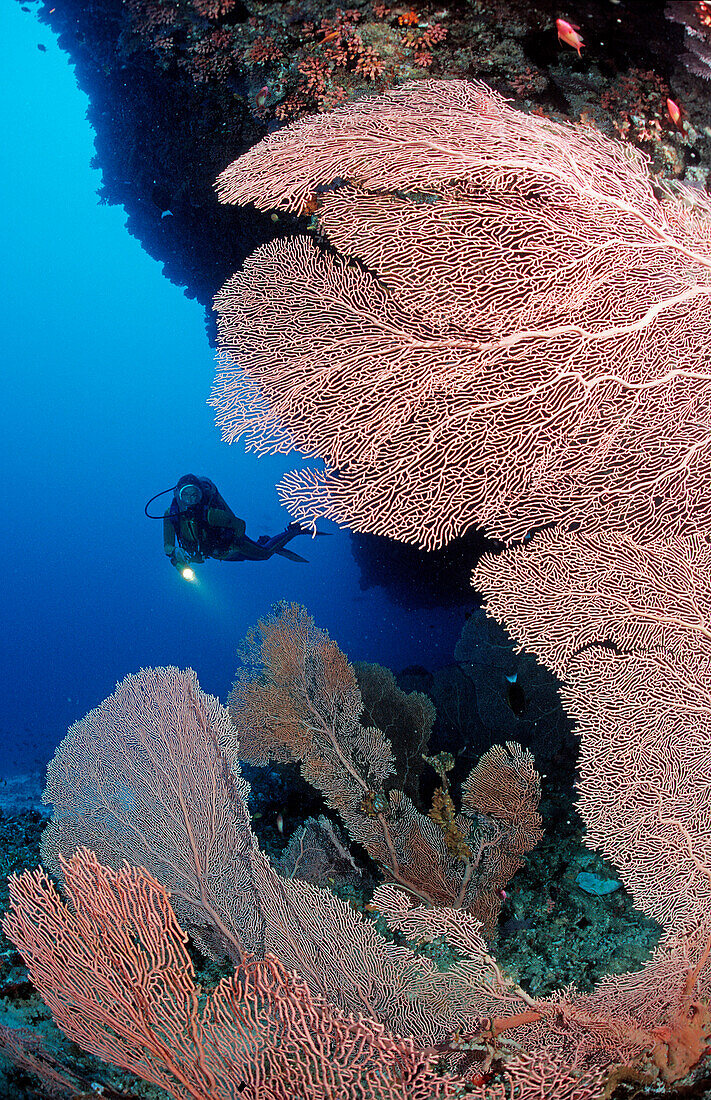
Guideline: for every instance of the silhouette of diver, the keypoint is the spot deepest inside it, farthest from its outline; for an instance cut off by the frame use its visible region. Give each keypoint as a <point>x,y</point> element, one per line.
<point>199,525</point>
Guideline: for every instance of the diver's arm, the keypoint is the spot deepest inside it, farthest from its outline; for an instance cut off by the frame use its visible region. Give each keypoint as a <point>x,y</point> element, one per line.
<point>218,517</point>
<point>169,539</point>
<point>168,535</point>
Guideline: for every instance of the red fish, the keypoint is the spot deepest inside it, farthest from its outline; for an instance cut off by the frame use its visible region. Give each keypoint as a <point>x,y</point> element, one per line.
<point>568,33</point>
<point>262,96</point>
<point>674,111</point>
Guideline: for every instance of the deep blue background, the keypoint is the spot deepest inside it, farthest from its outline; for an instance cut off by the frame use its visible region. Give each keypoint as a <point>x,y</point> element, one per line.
<point>106,374</point>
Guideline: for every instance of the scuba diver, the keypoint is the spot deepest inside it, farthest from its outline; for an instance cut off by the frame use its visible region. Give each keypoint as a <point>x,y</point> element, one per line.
<point>199,525</point>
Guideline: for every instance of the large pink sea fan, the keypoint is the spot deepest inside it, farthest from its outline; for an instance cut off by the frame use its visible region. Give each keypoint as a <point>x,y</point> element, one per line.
<point>510,329</point>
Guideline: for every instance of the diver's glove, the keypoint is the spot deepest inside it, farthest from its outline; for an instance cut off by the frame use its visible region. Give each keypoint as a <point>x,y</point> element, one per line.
<point>179,558</point>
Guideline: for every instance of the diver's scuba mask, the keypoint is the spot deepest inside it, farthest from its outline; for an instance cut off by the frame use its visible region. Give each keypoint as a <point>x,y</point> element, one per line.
<point>189,496</point>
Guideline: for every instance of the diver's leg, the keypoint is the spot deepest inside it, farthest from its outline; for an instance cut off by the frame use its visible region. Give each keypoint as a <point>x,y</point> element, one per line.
<point>244,549</point>
<point>276,542</point>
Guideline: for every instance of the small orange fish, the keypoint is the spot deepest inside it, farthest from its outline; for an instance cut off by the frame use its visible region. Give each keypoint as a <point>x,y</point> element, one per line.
<point>674,111</point>
<point>568,33</point>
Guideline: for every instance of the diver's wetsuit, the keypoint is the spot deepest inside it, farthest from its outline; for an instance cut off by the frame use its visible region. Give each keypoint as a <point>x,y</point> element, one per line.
<point>210,529</point>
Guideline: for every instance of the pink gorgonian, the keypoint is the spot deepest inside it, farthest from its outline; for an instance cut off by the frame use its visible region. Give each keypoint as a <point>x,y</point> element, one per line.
<point>501,321</point>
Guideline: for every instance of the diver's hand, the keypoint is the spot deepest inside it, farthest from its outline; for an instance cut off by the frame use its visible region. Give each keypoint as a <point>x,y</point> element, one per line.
<point>179,559</point>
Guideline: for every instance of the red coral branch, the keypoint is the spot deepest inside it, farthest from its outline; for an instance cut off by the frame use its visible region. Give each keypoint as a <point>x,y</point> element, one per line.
<point>114,969</point>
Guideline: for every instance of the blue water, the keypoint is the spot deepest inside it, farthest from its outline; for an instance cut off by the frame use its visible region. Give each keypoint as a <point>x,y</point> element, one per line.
<point>106,374</point>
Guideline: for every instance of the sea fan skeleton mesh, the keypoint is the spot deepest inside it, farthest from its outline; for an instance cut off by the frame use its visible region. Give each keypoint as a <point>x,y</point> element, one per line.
<point>628,629</point>
<point>297,697</point>
<point>151,777</point>
<point>114,968</point>
<point>520,291</point>
<point>626,626</point>
<point>595,390</point>
<point>651,1018</point>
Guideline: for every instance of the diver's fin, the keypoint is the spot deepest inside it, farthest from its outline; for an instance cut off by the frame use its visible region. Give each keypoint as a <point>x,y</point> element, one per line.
<point>295,528</point>
<point>290,555</point>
